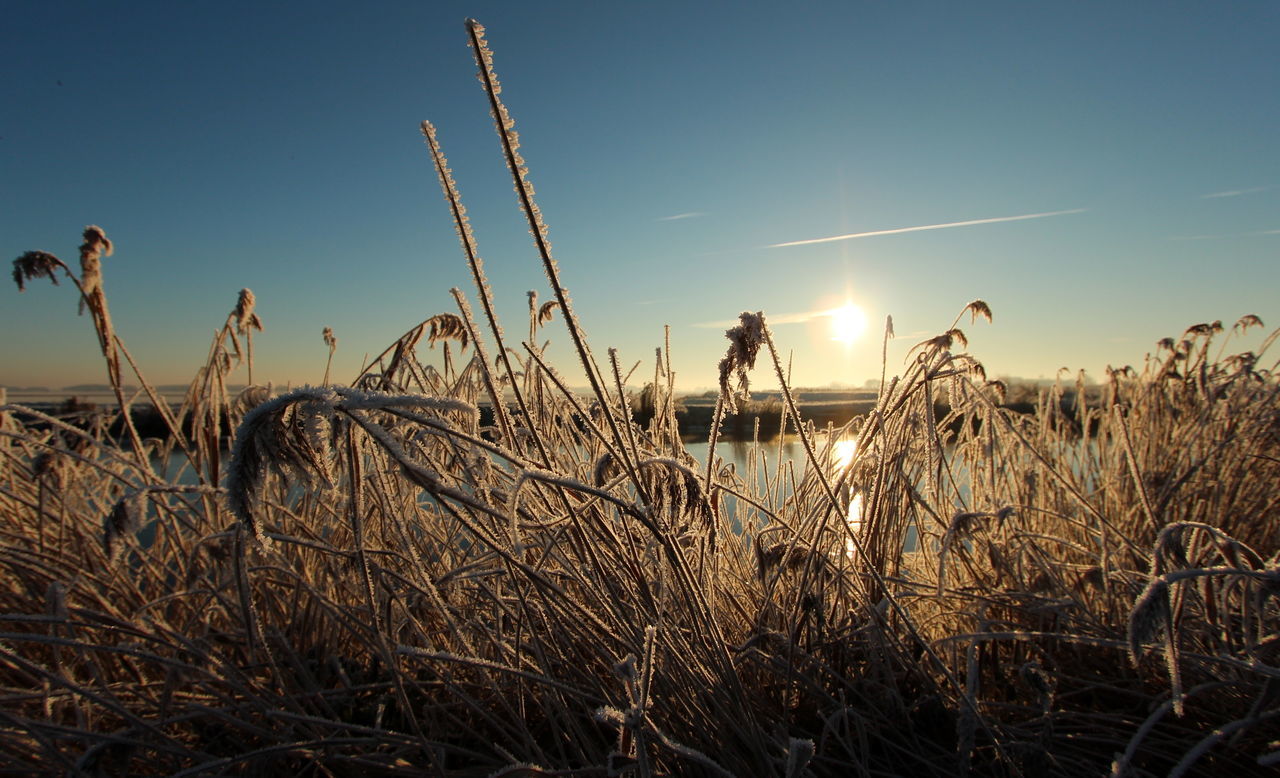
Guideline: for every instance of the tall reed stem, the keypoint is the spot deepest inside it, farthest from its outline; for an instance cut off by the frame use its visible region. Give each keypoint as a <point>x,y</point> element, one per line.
<point>538,228</point>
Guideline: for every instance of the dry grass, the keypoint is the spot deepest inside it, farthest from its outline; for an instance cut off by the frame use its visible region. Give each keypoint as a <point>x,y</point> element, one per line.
<point>377,582</point>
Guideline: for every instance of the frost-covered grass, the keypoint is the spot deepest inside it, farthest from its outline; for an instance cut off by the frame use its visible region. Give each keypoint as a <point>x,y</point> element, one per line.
<point>375,582</point>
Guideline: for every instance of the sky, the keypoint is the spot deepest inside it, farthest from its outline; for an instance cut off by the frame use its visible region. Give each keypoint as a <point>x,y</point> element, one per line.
<point>1102,174</point>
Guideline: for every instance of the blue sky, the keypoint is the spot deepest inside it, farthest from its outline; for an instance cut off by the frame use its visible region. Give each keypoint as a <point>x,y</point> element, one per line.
<point>275,146</point>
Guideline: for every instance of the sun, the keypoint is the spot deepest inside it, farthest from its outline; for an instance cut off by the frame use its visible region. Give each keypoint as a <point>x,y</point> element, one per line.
<point>848,322</point>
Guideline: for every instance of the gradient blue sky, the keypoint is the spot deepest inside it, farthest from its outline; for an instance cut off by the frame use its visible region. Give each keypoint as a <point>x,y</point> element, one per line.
<point>275,146</point>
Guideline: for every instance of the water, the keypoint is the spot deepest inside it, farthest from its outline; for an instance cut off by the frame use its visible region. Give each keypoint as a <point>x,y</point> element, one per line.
<point>740,454</point>
<point>177,465</point>
<point>737,453</point>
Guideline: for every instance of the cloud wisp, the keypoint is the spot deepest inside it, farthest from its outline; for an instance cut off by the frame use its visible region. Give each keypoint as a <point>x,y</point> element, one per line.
<point>1251,234</point>
<point>785,318</point>
<point>1234,192</point>
<point>923,227</point>
<point>679,216</point>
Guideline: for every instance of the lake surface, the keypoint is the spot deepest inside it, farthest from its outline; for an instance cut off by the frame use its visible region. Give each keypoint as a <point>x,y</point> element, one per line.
<point>737,453</point>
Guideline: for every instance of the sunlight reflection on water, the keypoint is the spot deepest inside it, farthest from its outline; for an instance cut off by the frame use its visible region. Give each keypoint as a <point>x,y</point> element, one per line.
<point>739,454</point>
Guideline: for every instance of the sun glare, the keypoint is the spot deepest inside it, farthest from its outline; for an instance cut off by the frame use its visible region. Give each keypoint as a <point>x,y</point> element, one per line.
<point>848,322</point>
<point>843,452</point>
<point>842,455</point>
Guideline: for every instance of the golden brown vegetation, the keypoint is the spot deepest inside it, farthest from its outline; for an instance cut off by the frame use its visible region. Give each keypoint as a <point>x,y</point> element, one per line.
<point>378,583</point>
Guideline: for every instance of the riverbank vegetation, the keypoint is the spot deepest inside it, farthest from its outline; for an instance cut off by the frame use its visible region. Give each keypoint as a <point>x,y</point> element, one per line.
<point>376,581</point>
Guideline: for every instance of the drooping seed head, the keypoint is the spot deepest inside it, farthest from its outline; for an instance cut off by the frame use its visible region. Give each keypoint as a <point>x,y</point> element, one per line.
<point>1247,321</point>
<point>978,308</point>
<point>546,311</point>
<point>35,264</point>
<point>745,340</point>
<point>447,326</point>
<point>1151,613</point>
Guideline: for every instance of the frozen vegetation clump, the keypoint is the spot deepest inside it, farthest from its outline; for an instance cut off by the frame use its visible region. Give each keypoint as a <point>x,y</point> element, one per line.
<point>453,565</point>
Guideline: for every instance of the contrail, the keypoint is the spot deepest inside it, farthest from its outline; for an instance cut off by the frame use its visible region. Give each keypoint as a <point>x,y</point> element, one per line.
<point>1225,235</point>
<point>924,227</point>
<point>785,318</point>
<point>1233,193</point>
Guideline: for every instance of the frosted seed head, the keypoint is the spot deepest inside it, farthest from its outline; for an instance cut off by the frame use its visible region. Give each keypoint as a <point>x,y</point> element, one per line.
<point>55,597</point>
<point>799,753</point>
<point>1151,613</point>
<point>1247,321</point>
<point>243,315</point>
<point>938,342</point>
<point>279,435</point>
<point>125,519</point>
<point>251,397</point>
<point>546,311</point>
<point>745,340</point>
<point>1036,677</point>
<point>964,524</point>
<point>35,264</point>
<point>447,326</point>
<point>96,243</point>
<point>978,308</point>
<point>47,463</point>
<point>604,470</point>
<point>626,669</point>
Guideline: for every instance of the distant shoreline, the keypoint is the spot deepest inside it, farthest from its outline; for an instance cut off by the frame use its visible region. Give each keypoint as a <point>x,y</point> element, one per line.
<point>694,413</point>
